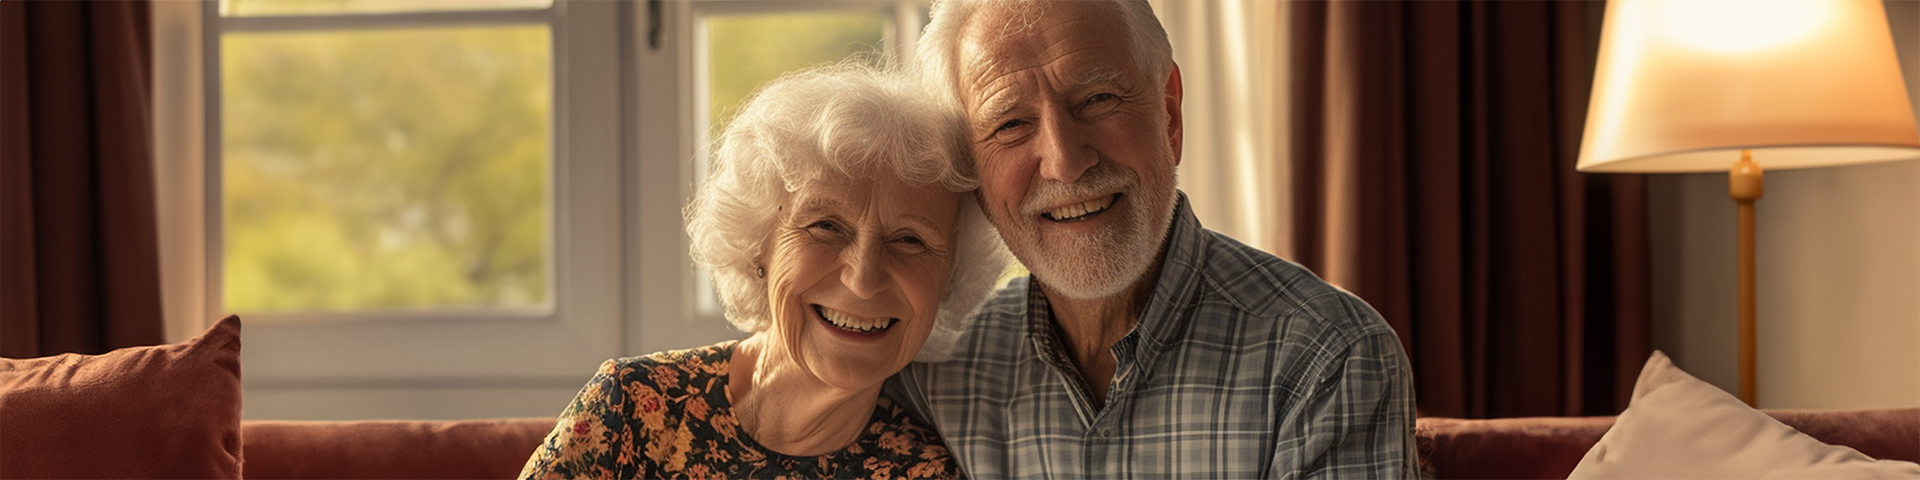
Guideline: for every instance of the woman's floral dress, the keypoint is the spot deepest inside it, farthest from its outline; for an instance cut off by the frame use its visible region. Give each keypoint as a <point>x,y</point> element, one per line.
<point>666,415</point>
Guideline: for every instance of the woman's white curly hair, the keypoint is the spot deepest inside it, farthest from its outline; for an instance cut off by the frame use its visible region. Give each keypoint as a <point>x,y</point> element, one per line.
<point>848,119</point>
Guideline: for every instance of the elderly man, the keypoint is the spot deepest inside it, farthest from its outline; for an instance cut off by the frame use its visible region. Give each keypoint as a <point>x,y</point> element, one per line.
<point>1143,345</point>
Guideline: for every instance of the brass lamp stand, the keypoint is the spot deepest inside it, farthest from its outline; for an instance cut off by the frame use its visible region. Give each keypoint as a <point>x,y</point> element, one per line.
<point>1745,184</point>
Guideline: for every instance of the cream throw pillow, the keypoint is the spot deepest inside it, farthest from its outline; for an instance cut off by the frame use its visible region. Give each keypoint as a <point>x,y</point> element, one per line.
<point>1677,426</point>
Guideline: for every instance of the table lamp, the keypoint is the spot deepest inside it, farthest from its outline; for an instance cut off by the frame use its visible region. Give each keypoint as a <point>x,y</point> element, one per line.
<point>1722,85</point>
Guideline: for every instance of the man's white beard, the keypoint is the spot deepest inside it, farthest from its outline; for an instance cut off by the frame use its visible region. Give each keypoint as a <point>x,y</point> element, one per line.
<point>1103,264</point>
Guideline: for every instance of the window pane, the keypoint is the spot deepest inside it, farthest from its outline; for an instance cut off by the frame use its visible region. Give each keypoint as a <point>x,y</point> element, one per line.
<point>747,50</point>
<point>247,8</point>
<point>386,169</point>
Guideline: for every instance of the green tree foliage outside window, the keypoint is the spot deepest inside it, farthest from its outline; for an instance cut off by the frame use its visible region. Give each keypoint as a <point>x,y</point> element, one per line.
<point>746,51</point>
<point>386,169</point>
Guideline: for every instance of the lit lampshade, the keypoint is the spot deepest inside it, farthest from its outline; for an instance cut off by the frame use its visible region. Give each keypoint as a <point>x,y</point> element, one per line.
<point>1803,83</point>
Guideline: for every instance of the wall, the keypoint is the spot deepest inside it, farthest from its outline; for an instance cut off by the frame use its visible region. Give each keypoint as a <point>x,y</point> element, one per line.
<point>1838,266</point>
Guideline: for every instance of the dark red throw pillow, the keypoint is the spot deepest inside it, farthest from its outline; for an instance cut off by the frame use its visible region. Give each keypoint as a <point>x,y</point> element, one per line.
<point>167,411</point>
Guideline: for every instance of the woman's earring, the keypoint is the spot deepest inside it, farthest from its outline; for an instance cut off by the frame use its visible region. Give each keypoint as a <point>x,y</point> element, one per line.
<point>760,271</point>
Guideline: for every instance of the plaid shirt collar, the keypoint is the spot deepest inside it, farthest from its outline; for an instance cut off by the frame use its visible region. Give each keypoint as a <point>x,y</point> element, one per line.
<point>1165,317</point>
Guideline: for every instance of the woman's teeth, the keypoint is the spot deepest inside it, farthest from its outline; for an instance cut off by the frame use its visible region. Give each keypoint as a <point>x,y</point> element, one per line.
<point>1080,210</point>
<point>850,322</point>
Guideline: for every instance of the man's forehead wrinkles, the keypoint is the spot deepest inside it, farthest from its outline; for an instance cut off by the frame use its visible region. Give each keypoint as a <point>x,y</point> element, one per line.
<point>1022,29</point>
<point>1066,68</point>
<point>1098,74</point>
<point>1045,52</point>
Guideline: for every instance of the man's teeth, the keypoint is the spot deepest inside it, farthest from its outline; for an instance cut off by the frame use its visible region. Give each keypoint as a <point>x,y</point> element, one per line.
<point>851,322</point>
<point>1073,212</point>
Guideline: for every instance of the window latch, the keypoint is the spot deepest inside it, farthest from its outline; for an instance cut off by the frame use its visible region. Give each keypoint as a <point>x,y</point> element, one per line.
<point>653,25</point>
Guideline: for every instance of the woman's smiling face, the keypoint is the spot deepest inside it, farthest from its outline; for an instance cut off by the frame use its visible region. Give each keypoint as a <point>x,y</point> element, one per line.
<point>856,269</point>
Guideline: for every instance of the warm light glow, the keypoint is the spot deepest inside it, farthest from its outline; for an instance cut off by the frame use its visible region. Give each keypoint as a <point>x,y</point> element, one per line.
<point>1683,85</point>
<point>1740,25</point>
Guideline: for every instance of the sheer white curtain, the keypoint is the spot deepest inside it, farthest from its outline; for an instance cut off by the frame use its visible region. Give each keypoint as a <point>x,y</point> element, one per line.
<point>1232,64</point>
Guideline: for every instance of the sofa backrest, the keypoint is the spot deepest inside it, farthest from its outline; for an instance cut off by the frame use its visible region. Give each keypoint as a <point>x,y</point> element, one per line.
<point>1549,447</point>
<point>390,449</point>
<point>1537,447</point>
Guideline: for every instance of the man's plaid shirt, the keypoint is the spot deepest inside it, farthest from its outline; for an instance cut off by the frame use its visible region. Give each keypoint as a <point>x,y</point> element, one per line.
<point>1243,366</point>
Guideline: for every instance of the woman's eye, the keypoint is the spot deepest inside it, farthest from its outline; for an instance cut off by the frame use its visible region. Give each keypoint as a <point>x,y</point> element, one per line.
<point>910,244</point>
<point>825,226</point>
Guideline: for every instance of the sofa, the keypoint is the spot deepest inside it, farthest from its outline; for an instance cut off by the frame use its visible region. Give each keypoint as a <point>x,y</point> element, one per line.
<point>1539,447</point>
<point>173,411</point>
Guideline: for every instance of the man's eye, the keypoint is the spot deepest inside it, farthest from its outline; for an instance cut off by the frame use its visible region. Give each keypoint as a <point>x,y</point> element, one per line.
<point>911,240</point>
<point>1012,131</point>
<point>1101,97</point>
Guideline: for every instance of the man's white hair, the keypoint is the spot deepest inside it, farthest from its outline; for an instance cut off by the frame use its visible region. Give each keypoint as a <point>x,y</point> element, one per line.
<point>939,47</point>
<point>851,120</point>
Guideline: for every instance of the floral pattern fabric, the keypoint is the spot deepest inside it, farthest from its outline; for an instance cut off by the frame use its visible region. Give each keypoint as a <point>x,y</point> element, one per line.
<point>667,415</point>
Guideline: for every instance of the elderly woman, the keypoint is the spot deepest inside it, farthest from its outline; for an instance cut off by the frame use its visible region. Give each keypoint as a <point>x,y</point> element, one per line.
<point>842,236</point>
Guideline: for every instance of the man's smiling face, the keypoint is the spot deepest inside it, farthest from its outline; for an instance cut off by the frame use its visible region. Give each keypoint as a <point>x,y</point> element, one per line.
<point>1074,145</point>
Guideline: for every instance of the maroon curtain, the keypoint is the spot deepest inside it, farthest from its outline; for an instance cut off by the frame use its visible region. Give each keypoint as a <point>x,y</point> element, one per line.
<point>1433,152</point>
<point>79,255</point>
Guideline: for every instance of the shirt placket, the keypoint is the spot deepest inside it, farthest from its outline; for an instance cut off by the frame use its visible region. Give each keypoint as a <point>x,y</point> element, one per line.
<point>1106,455</point>
<point>1065,372</point>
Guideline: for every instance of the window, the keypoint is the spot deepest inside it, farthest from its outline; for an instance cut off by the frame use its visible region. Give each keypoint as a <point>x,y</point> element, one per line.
<point>456,208</point>
<point>412,203</point>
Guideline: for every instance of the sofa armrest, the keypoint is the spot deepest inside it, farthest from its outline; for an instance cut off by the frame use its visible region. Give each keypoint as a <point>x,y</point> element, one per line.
<point>390,449</point>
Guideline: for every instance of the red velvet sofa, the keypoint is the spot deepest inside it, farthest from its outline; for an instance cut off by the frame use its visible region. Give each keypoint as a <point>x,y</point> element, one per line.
<point>1542,447</point>
<point>173,411</point>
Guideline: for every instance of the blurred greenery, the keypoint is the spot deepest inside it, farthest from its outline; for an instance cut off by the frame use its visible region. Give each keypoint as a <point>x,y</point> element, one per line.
<point>748,50</point>
<point>383,169</point>
<point>386,169</point>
